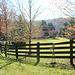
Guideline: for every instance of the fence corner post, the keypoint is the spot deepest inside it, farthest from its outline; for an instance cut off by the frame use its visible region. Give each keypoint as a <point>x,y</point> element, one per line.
<point>38,50</point>
<point>71,51</point>
<point>16,51</point>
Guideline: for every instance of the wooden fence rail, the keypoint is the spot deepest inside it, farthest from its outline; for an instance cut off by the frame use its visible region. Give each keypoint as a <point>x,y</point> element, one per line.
<point>39,49</point>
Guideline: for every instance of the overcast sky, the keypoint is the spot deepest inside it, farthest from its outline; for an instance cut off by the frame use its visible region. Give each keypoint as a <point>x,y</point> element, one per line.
<point>54,12</point>
<point>51,10</point>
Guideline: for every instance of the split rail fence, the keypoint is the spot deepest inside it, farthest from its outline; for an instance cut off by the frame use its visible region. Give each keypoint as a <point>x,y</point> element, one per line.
<point>42,50</point>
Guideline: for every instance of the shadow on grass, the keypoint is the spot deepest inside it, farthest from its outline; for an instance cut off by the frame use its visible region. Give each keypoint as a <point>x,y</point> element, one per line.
<point>73,66</point>
<point>49,65</point>
<point>6,62</point>
<point>5,65</point>
<point>9,61</point>
<point>36,63</point>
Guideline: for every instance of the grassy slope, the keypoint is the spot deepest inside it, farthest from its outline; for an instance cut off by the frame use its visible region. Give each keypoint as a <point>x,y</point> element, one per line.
<point>27,66</point>
<point>51,40</point>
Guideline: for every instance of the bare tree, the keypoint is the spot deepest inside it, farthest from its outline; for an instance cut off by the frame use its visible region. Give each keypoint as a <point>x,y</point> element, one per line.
<point>29,9</point>
<point>66,6</point>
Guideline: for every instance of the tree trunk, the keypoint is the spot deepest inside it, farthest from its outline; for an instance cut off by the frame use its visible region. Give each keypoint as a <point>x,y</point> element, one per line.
<point>30,2</point>
<point>30,38</point>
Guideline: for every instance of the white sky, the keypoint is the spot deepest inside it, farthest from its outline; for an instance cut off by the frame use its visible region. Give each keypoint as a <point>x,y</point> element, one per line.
<point>51,11</point>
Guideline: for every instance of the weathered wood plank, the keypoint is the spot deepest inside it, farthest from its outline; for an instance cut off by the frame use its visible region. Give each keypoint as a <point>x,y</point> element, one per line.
<point>27,48</point>
<point>44,48</point>
<point>55,56</point>
<point>28,55</point>
<point>11,54</point>
<point>60,52</point>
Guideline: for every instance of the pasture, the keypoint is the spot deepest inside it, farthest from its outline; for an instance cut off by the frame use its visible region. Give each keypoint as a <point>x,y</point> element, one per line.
<point>28,66</point>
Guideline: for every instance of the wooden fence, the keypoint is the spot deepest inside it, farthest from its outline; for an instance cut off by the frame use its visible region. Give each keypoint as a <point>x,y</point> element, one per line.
<point>42,50</point>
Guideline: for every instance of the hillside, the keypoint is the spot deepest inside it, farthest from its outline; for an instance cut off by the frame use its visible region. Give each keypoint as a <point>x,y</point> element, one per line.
<point>56,22</point>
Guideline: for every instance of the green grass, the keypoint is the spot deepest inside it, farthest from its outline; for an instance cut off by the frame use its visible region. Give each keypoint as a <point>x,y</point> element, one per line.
<point>29,66</point>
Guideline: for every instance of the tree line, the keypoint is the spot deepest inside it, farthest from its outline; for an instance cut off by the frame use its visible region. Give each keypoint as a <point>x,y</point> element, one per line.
<point>17,27</point>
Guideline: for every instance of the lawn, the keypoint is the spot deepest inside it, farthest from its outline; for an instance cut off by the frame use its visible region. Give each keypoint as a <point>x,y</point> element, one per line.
<point>28,66</point>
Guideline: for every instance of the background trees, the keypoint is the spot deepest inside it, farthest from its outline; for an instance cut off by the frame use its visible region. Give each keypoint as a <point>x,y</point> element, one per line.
<point>68,30</point>
<point>5,14</point>
<point>65,29</point>
<point>67,7</point>
<point>19,31</point>
<point>50,26</point>
<point>20,22</point>
<point>44,28</point>
<point>48,30</point>
<point>53,33</point>
<point>71,30</point>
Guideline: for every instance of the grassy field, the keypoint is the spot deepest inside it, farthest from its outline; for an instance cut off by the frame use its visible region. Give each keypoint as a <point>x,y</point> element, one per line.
<point>51,40</point>
<point>28,66</point>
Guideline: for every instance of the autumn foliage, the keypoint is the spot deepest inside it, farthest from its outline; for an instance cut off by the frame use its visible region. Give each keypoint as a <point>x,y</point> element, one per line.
<point>53,33</point>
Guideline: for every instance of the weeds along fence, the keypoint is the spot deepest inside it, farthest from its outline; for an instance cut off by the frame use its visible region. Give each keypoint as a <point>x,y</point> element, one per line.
<point>42,50</point>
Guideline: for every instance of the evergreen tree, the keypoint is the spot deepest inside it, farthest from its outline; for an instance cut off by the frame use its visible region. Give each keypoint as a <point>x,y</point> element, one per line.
<point>50,26</point>
<point>44,28</point>
<point>65,29</point>
<point>44,25</point>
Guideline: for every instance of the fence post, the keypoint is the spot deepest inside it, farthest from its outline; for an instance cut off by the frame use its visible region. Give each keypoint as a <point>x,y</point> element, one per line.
<point>16,51</point>
<point>38,54</point>
<point>6,49</point>
<point>71,51</point>
<point>0,47</point>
